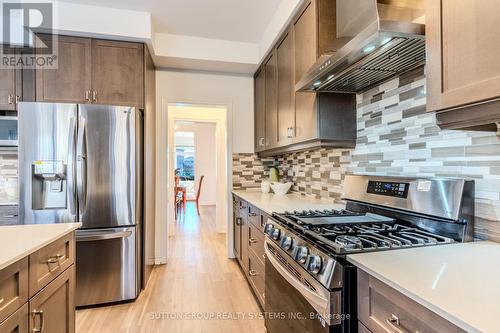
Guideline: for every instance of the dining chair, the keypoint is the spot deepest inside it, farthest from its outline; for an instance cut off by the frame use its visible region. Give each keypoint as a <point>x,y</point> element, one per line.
<point>198,193</point>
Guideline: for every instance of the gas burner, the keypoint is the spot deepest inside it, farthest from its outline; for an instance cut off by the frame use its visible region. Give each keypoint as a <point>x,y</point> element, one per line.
<point>349,241</point>
<point>344,231</point>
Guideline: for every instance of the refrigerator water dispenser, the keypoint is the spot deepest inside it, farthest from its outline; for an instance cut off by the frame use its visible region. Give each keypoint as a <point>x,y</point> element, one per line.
<point>49,185</point>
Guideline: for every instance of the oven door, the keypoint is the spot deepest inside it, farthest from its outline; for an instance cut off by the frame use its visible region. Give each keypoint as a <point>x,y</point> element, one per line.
<point>8,131</point>
<point>296,302</point>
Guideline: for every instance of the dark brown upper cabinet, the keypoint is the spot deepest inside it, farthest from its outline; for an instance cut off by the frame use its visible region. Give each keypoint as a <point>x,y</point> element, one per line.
<point>286,93</point>
<point>117,73</point>
<point>305,54</point>
<point>93,71</point>
<point>71,82</point>
<point>463,71</point>
<point>260,110</point>
<point>302,120</point>
<point>10,88</point>
<point>271,104</point>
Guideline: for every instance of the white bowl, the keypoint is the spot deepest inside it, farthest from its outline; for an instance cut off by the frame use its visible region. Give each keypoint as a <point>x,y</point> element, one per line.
<point>281,188</point>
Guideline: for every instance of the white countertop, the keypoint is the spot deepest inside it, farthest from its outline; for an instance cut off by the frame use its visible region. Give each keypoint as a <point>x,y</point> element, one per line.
<point>271,203</point>
<point>460,282</point>
<point>19,241</point>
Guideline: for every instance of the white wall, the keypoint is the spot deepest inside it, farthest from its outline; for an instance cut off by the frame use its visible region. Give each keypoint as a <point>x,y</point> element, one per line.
<point>205,158</point>
<point>233,91</point>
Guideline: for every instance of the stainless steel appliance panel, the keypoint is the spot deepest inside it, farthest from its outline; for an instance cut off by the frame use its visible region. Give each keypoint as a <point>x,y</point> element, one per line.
<point>441,197</point>
<point>46,142</point>
<point>105,166</point>
<point>107,262</point>
<point>8,131</point>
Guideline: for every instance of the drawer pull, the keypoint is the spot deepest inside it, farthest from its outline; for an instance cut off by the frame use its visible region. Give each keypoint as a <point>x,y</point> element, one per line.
<point>253,214</point>
<point>37,313</point>
<point>253,240</point>
<point>394,323</point>
<point>253,272</point>
<point>55,259</point>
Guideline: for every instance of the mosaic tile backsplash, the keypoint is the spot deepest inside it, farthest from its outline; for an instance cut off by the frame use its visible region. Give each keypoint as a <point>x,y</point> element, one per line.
<point>397,137</point>
<point>249,170</point>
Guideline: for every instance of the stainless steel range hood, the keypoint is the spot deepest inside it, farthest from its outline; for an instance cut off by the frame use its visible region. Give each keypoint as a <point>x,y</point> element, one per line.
<point>376,40</point>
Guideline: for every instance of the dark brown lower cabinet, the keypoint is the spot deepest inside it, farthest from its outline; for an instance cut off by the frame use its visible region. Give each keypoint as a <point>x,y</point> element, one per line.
<point>248,222</point>
<point>237,236</point>
<point>383,309</point>
<point>256,276</point>
<point>53,308</point>
<point>49,309</point>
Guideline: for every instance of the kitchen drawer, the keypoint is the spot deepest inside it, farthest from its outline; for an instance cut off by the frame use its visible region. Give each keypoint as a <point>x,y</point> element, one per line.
<point>256,242</point>
<point>256,274</point>
<point>50,261</point>
<point>13,288</point>
<point>243,208</point>
<point>254,216</point>
<point>382,309</point>
<point>17,322</point>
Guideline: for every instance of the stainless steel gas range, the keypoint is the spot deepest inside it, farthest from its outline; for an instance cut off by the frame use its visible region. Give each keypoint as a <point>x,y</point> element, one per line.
<point>310,286</point>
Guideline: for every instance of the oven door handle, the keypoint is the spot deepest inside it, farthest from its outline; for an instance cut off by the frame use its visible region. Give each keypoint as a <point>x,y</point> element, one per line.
<point>317,301</point>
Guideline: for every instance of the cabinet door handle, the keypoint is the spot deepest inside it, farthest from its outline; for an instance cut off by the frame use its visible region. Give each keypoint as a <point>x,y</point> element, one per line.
<point>252,240</point>
<point>34,314</point>
<point>18,99</point>
<point>55,259</point>
<point>264,256</point>
<point>252,272</point>
<point>239,221</point>
<point>2,300</point>
<point>10,99</point>
<point>94,96</point>
<point>262,142</point>
<point>394,323</point>
<point>87,96</point>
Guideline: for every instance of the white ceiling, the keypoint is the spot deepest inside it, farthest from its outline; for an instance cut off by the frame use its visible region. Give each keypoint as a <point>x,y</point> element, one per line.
<point>235,20</point>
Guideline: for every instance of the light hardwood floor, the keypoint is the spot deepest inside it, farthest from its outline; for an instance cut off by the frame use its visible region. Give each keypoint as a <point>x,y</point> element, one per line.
<point>198,280</point>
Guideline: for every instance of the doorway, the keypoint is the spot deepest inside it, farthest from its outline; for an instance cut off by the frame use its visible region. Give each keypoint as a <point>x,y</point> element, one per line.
<point>185,157</point>
<point>194,152</point>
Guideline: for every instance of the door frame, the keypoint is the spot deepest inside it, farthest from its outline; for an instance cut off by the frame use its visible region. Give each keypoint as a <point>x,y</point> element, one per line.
<point>165,214</point>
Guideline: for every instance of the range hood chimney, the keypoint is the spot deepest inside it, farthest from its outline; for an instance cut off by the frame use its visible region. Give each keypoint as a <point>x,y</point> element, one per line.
<point>376,40</point>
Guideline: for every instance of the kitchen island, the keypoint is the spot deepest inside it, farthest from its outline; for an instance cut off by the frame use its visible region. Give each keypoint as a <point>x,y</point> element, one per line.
<point>458,282</point>
<point>37,275</point>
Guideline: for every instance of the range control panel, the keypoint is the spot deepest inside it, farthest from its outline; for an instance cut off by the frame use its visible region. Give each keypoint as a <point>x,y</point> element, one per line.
<point>391,189</point>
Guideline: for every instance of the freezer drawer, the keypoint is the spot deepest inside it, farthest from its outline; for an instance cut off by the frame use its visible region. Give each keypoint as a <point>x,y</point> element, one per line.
<point>107,266</point>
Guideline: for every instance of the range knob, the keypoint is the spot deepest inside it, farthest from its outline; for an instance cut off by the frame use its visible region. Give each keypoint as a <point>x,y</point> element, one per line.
<point>268,229</point>
<point>315,264</point>
<point>276,234</point>
<point>286,243</point>
<point>302,252</point>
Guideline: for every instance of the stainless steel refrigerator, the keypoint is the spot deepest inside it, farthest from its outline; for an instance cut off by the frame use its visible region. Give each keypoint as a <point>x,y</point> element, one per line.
<point>84,163</point>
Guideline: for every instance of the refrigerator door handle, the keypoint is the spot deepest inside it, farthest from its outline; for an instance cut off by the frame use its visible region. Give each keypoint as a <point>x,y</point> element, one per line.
<point>103,236</point>
<point>81,166</point>
<point>71,166</point>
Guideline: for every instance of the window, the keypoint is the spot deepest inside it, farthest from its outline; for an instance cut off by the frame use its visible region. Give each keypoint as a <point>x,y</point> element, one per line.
<point>185,161</point>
